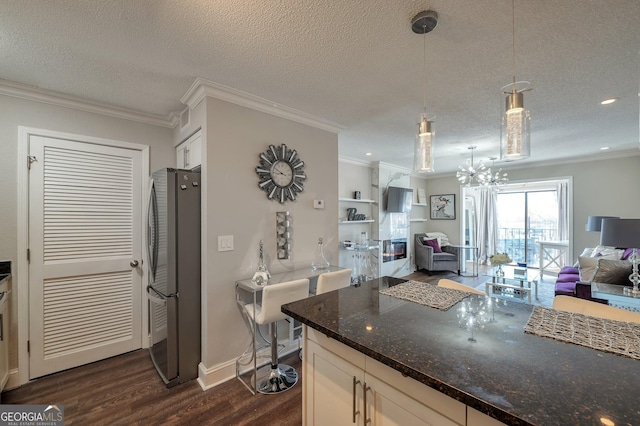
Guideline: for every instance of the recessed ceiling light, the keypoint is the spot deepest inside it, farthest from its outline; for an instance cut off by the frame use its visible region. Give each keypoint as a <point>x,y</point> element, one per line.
<point>604,148</point>
<point>368,154</point>
<point>608,101</point>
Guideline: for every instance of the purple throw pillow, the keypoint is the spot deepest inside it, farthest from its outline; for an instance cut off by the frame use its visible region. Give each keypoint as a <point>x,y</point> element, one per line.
<point>626,254</point>
<point>433,243</point>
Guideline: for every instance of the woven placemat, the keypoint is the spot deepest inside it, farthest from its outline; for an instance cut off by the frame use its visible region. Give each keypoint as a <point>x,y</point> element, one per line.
<point>618,337</point>
<point>426,294</point>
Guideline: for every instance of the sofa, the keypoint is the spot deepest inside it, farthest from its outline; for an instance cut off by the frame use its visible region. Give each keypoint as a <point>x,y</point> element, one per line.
<point>433,252</point>
<point>600,264</point>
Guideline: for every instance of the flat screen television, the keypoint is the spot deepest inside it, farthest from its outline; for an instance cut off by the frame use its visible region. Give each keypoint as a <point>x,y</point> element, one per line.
<point>399,199</point>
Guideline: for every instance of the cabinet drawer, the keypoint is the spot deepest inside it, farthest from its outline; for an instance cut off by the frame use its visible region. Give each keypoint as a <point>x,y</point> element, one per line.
<point>439,402</point>
<point>354,357</point>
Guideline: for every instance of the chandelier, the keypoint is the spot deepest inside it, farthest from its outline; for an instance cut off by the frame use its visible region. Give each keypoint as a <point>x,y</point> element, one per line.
<point>470,172</point>
<point>515,133</point>
<point>423,23</point>
<point>494,179</point>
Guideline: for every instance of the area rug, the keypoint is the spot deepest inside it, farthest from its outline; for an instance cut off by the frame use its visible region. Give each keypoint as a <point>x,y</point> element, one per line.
<point>426,294</point>
<point>618,337</point>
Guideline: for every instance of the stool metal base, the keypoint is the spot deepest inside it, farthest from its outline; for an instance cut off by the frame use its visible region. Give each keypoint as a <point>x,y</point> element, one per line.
<point>279,379</point>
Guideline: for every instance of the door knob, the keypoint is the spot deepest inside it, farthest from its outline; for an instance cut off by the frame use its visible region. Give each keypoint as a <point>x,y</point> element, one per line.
<point>133,263</point>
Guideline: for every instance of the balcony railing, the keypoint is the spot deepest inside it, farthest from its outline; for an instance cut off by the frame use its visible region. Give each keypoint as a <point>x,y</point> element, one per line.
<point>521,247</point>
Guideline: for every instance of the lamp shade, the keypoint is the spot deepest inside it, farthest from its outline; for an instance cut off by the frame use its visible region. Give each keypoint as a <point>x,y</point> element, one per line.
<point>624,233</point>
<point>594,223</point>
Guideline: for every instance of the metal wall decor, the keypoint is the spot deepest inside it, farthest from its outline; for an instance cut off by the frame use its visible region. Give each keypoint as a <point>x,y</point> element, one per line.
<point>281,173</point>
<point>283,235</point>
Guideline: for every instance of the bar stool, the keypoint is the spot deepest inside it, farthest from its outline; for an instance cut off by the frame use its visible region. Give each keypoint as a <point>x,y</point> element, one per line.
<point>335,280</point>
<point>447,283</point>
<point>594,309</point>
<point>281,377</point>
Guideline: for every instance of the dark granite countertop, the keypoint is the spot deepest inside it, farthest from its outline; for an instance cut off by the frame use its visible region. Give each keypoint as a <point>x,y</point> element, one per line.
<point>517,378</point>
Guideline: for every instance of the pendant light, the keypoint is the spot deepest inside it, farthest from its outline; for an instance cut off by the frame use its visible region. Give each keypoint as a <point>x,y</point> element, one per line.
<point>515,134</point>
<point>497,178</point>
<point>423,23</point>
<point>469,173</point>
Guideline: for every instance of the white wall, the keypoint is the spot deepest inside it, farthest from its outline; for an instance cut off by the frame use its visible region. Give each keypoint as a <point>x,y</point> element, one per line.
<point>16,112</point>
<point>234,204</point>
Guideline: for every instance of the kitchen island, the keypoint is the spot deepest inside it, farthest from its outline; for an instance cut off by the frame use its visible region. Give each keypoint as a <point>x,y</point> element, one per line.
<point>406,356</point>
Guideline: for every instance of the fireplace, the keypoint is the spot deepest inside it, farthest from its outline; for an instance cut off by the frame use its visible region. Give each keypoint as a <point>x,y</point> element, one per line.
<point>394,249</point>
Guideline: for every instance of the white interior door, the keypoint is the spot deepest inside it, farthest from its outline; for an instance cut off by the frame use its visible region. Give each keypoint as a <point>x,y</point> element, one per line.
<point>84,241</point>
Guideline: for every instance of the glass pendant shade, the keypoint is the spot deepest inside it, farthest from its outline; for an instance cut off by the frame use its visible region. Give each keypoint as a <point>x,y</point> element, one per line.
<point>423,148</point>
<point>515,137</point>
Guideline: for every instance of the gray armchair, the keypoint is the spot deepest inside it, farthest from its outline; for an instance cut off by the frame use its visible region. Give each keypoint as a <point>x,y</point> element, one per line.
<point>449,260</point>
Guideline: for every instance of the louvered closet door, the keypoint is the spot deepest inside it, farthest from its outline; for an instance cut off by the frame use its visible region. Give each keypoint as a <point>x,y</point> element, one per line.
<point>84,232</point>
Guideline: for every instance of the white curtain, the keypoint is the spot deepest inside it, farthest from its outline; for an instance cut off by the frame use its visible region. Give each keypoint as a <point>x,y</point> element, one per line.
<point>487,224</point>
<point>563,211</point>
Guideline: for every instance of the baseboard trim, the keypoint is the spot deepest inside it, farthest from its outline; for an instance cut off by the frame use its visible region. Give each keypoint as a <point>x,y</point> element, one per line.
<point>211,377</point>
<point>13,381</point>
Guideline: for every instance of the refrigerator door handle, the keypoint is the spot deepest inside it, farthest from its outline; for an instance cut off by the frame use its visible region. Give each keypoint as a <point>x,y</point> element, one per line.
<point>158,299</point>
<point>152,231</point>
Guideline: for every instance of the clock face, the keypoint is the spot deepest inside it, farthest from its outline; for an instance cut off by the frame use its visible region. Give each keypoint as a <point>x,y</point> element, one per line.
<point>281,173</point>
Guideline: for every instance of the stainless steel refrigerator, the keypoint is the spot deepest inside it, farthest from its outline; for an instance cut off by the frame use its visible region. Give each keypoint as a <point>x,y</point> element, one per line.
<point>173,235</point>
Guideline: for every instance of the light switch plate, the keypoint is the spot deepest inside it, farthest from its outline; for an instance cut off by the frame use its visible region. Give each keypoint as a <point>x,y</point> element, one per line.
<point>225,242</point>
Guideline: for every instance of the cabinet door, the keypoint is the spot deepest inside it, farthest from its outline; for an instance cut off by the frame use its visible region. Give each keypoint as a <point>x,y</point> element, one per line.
<point>180,156</point>
<point>388,406</point>
<point>194,157</point>
<point>329,388</point>
<point>189,152</point>
<point>476,418</point>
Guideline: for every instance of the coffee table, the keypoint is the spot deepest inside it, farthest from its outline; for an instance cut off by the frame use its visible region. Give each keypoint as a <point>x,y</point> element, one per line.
<point>516,282</point>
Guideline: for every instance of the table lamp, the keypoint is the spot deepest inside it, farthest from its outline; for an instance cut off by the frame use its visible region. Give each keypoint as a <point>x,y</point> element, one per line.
<point>624,233</point>
<point>594,223</point>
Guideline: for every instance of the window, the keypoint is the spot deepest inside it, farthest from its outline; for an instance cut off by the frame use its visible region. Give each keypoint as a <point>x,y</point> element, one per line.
<point>525,217</point>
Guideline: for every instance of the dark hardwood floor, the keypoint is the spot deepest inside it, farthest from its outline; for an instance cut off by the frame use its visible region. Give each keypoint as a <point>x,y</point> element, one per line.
<point>126,390</point>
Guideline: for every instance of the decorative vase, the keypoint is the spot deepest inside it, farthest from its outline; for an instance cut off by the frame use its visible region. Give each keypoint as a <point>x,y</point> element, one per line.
<point>499,271</point>
<point>319,261</point>
<point>262,275</point>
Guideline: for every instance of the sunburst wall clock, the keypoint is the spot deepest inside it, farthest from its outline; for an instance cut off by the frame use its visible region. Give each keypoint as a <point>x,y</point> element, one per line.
<point>281,173</point>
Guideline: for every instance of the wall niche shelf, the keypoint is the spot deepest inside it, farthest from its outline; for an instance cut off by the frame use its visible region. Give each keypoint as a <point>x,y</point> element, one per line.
<point>357,221</point>
<point>354,200</point>
<point>420,204</point>
<point>418,219</point>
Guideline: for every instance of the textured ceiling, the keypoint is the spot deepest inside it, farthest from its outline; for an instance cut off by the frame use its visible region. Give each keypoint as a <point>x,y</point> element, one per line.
<point>353,62</point>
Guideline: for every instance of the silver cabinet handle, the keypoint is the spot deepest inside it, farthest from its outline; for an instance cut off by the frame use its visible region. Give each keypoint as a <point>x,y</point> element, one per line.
<point>134,263</point>
<point>365,388</point>
<point>186,157</point>
<point>355,413</point>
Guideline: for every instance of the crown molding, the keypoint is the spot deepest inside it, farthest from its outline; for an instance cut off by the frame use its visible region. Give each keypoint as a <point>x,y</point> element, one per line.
<point>355,162</point>
<point>202,88</point>
<point>36,94</point>
<point>372,164</point>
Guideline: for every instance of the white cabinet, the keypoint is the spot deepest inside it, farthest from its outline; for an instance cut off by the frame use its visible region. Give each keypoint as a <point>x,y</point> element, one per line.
<point>332,387</point>
<point>189,152</point>
<point>476,418</point>
<point>363,391</point>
